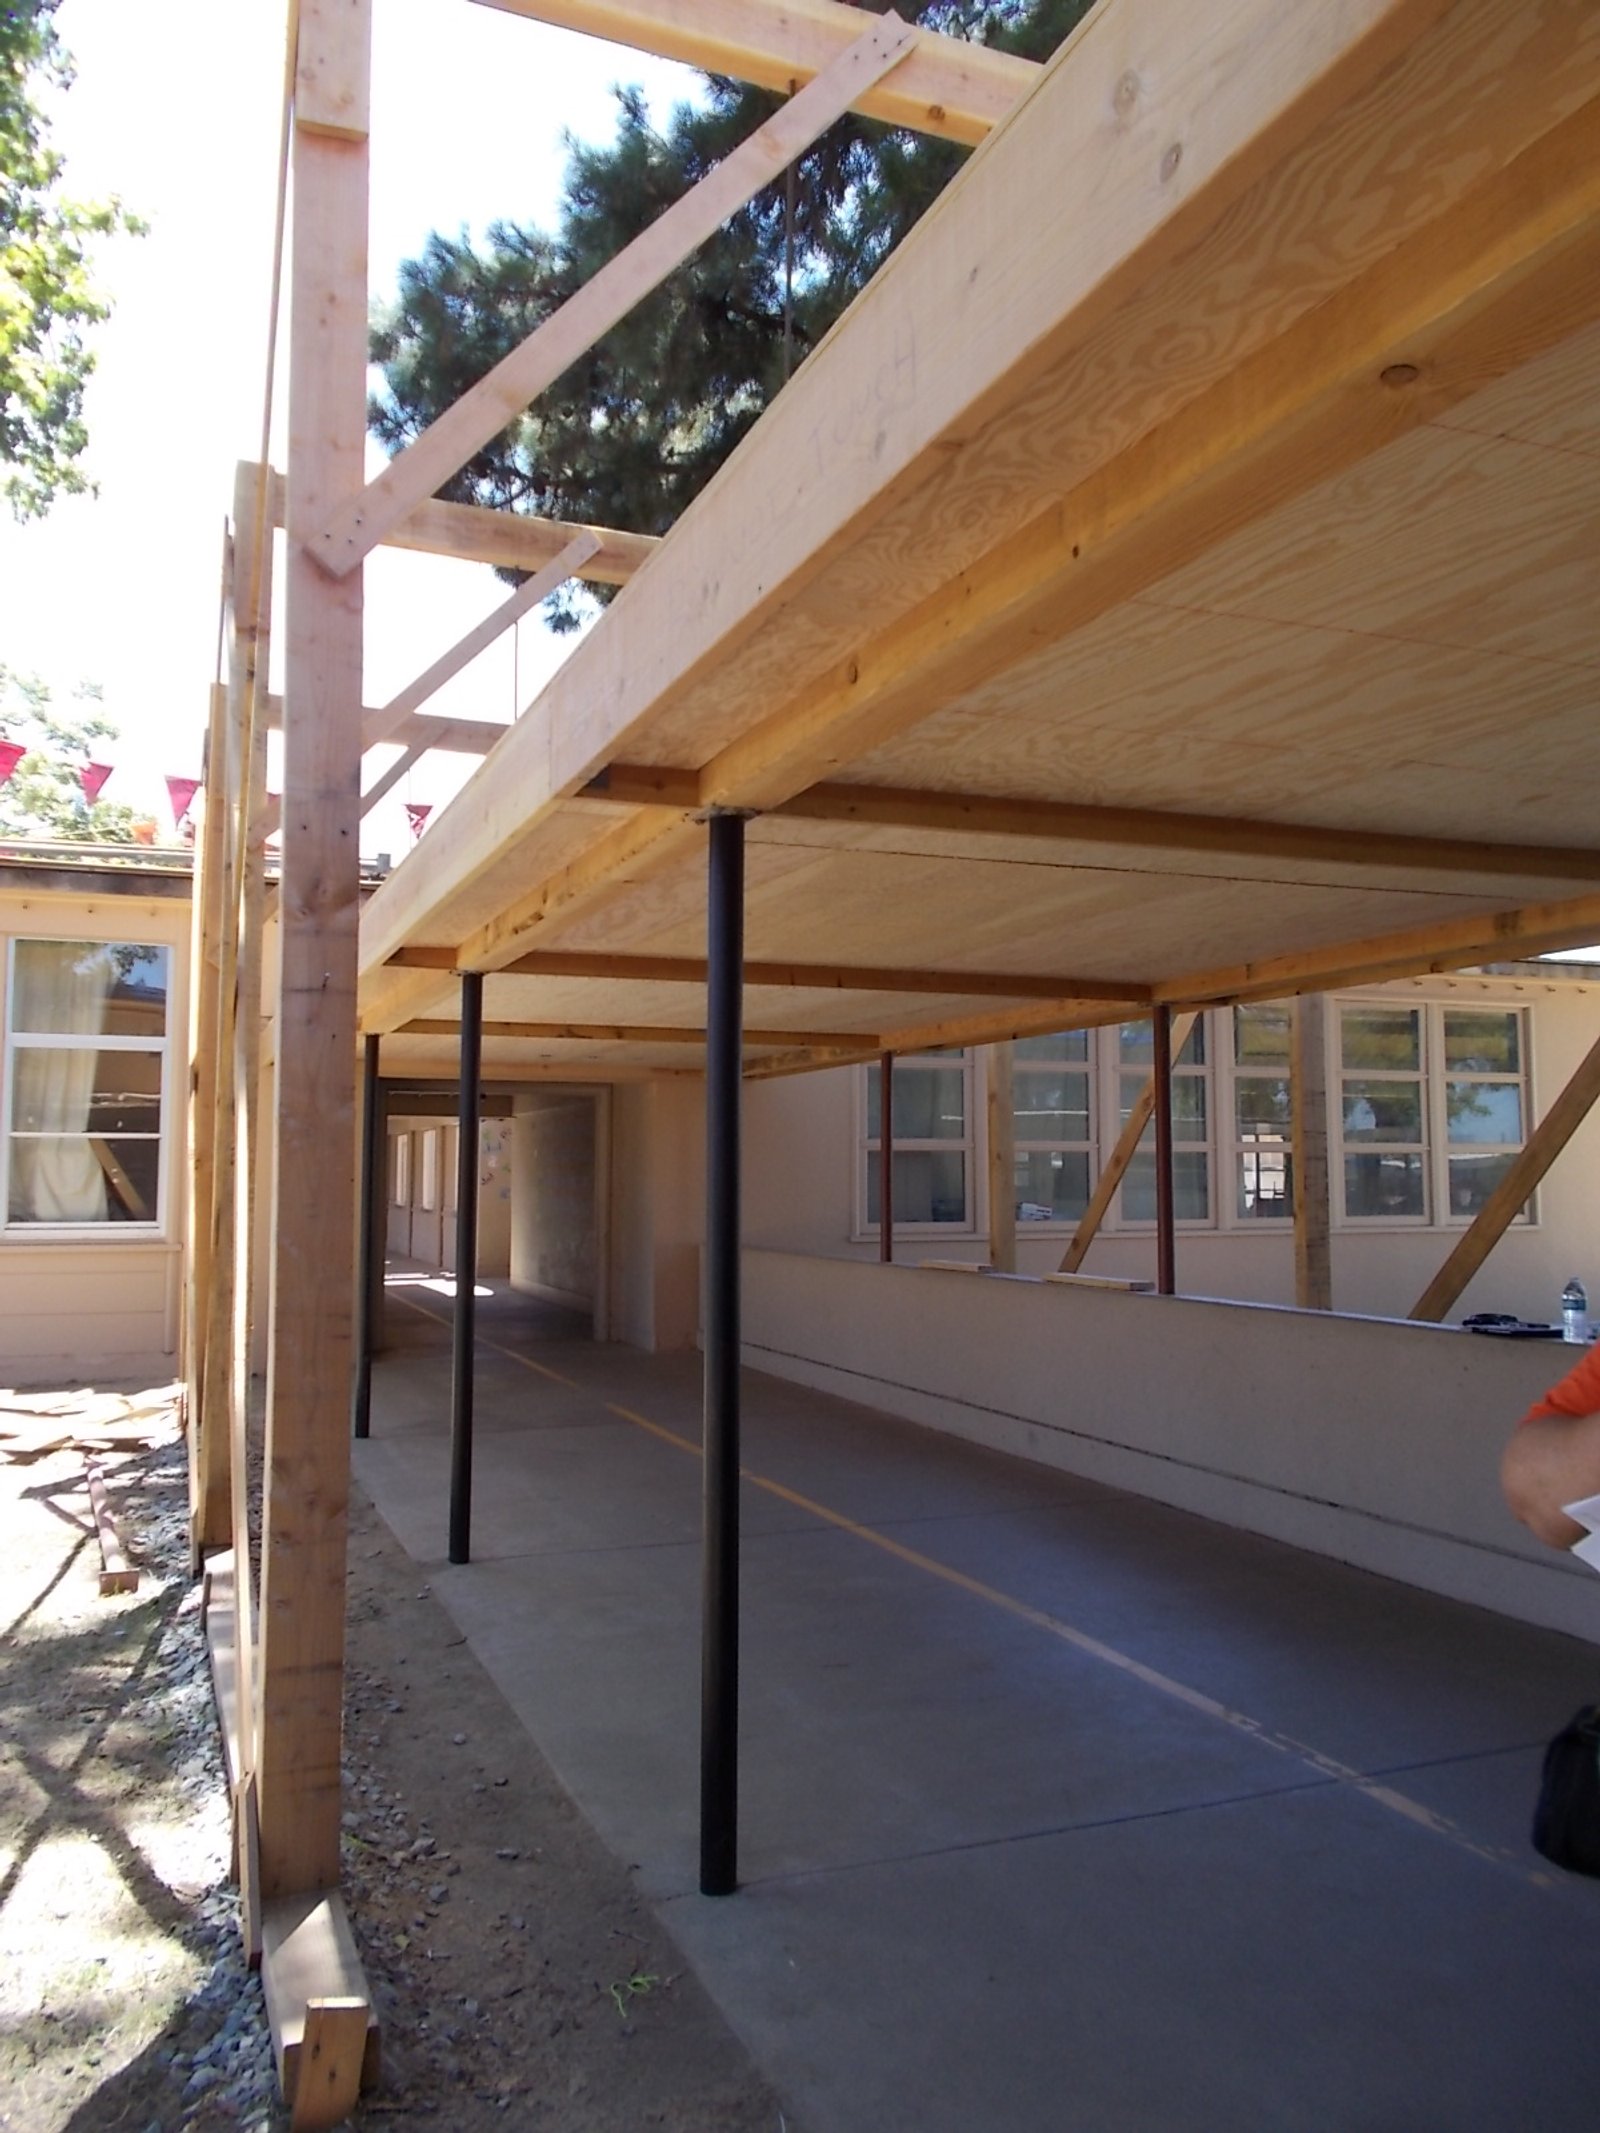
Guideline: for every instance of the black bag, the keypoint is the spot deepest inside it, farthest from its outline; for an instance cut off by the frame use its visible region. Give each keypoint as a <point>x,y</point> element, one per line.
<point>1566,1821</point>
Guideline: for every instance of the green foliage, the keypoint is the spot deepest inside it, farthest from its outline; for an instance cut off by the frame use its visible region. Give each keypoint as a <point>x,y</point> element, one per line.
<point>44,797</point>
<point>47,294</point>
<point>636,428</point>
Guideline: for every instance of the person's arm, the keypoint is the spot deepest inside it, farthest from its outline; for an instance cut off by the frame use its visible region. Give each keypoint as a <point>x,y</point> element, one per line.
<point>1554,1456</point>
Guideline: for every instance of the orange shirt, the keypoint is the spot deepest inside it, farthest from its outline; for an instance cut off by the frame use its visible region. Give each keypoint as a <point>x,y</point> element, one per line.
<point>1577,1394</point>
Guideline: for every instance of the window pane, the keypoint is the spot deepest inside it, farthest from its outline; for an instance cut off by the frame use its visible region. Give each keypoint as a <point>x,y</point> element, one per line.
<point>929,1186</point>
<point>1377,1185</point>
<point>81,1177</point>
<point>1262,1107</point>
<point>1382,1111</point>
<point>1070,1044</point>
<point>1261,1036</point>
<point>1473,1178</point>
<point>90,989</point>
<point>1265,1178</point>
<point>929,1103</point>
<point>1189,1107</point>
<point>1190,1188</point>
<point>1388,1037</point>
<point>1051,1107</point>
<point>1484,1044</point>
<point>1134,1044</point>
<point>1052,1187</point>
<point>1484,1110</point>
<point>56,1089</point>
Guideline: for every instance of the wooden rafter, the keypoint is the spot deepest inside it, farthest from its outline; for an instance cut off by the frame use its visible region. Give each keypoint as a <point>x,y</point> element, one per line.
<point>632,1033</point>
<point>515,540</point>
<point>948,87</point>
<point>452,736</point>
<point>415,474</point>
<point>821,977</point>
<point>1139,828</point>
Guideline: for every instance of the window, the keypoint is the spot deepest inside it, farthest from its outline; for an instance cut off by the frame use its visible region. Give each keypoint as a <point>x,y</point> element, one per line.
<point>1263,1173</point>
<point>1052,1103</point>
<point>1432,1108</point>
<point>86,1082</point>
<point>430,1170</point>
<point>402,1169</point>
<point>932,1141</point>
<point>1191,1139</point>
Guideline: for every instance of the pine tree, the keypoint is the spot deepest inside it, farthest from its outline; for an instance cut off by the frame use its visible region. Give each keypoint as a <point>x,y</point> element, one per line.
<point>634,430</point>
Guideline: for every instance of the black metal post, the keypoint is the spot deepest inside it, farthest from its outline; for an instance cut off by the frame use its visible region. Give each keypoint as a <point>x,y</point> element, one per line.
<point>886,1158</point>
<point>466,1267</point>
<point>719,1648</point>
<point>1166,1231</point>
<point>370,1245</point>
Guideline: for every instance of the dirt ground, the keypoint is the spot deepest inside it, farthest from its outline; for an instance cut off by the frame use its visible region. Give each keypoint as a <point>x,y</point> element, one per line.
<point>519,1979</point>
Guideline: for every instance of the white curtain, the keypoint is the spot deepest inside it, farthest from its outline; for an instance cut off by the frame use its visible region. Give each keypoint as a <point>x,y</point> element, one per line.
<point>60,988</point>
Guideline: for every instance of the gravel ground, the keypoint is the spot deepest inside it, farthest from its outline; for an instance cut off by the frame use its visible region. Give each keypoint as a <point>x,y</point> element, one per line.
<point>519,1979</point>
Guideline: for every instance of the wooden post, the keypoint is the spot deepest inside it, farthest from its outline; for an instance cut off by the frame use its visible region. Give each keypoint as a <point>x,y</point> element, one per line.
<point>208,1480</point>
<point>1002,1160</point>
<point>371,1234</point>
<point>886,1158</point>
<point>1308,1107</point>
<point>1161,1080</point>
<point>1499,1211</point>
<point>1116,1164</point>
<point>309,1342</point>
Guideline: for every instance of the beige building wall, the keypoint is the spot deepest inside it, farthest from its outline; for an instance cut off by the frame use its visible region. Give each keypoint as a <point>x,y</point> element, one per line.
<point>81,1309</point>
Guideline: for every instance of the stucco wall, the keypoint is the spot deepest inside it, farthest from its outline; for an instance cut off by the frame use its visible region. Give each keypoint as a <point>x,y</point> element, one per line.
<point>1377,1443</point>
<point>800,1154</point>
<point>553,1197</point>
<point>657,1197</point>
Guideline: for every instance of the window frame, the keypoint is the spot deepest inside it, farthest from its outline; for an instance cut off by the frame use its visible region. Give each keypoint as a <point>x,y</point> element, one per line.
<point>1036,1068</point>
<point>159,1229</point>
<point>867,1147</point>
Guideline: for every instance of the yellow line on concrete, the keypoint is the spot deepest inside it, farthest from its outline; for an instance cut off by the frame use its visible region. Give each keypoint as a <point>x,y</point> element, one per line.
<point>1326,1766</point>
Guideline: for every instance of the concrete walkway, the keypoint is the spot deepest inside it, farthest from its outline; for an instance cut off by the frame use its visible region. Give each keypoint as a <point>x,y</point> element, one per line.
<point>1063,1812</point>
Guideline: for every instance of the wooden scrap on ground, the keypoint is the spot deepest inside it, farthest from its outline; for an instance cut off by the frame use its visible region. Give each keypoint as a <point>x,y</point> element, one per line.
<point>324,2032</point>
<point>117,1574</point>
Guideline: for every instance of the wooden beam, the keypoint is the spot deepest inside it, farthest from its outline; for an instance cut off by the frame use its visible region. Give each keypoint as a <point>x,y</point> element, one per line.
<point>1308,1101</point>
<point>1500,1210</point>
<point>453,736</point>
<point>947,87</point>
<point>515,540</point>
<point>117,1574</point>
<point>355,529</point>
<point>309,1960</point>
<point>631,1033</point>
<point>1114,1169</point>
<point>1447,944</point>
<point>396,713</point>
<point>821,977</point>
<point>309,1341</point>
<point>208,1475</point>
<point>1000,1100</point>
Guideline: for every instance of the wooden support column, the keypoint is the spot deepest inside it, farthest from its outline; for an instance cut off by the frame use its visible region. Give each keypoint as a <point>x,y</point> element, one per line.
<point>1308,1105</point>
<point>208,1478</point>
<point>309,1344</point>
<point>886,1158</point>
<point>1116,1164</point>
<point>1499,1211</point>
<point>1161,1083</point>
<point>1002,1160</point>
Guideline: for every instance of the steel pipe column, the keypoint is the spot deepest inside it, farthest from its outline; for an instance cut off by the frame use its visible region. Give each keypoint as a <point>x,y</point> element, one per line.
<point>886,1158</point>
<point>466,1267</point>
<point>719,1649</point>
<point>1166,1232</point>
<point>369,1249</point>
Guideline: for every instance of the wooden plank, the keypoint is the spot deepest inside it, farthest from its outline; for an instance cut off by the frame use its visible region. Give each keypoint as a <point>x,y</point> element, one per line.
<point>631,1033</point>
<point>947,87</point>
<point>208,1480</point>
<point>1500,1210</point>
<point>308,1959</point>
<point>822,977</point>
<point>1000,1100</point>
<point>1115,1167</point>
<point>1308,1102</point>
<point>309,1341</point>
<point>385,724</point>
<point>327,2077</point>
<point>333,69</point>
<point>1266,83</point>
<point>516,540</point>
<point>1103,1281</point>
<point>453,736</point>
<point>117,1574</point>
<point>381,787</point>
<point>416,473</point>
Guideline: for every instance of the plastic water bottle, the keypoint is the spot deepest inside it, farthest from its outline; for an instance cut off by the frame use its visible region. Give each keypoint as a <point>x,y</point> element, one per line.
<point>1574,1312</point>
